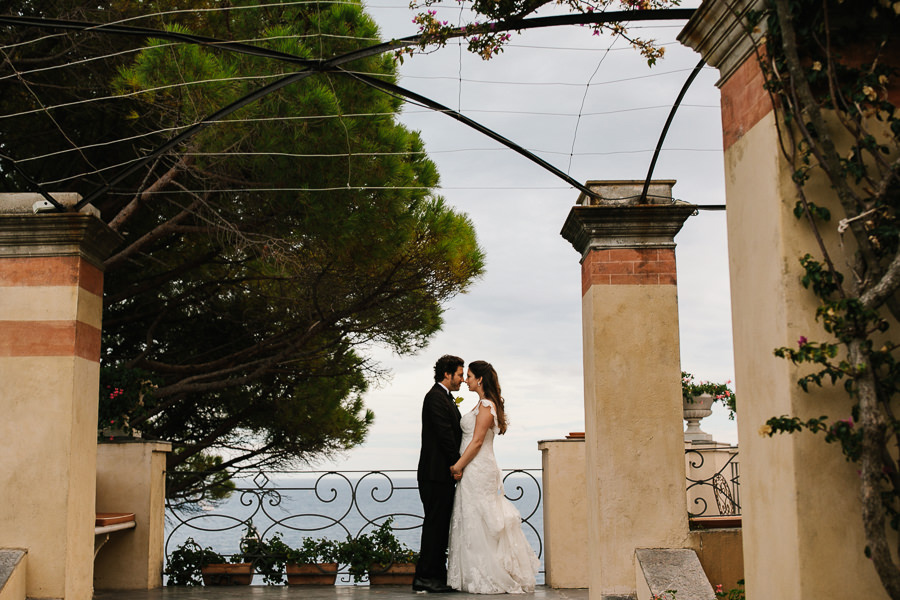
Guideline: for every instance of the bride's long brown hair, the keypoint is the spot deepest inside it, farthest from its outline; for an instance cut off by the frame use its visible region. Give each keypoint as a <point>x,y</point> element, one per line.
<point>491,385</point>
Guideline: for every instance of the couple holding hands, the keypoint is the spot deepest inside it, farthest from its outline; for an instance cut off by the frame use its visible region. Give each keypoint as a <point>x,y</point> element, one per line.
<point>461,488</point>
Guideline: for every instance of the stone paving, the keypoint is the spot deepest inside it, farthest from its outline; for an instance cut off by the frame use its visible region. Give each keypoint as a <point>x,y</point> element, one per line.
<point>335,592</point>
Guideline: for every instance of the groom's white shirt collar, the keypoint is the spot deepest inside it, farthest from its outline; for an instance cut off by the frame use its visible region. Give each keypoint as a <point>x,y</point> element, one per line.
<point>443,386</point>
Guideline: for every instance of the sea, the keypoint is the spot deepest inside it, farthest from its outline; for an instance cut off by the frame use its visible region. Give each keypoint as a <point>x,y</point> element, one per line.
<point>332,505</point>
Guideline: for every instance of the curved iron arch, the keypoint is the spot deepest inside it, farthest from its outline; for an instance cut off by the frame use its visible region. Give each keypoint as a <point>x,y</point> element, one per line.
<point>333,64</point>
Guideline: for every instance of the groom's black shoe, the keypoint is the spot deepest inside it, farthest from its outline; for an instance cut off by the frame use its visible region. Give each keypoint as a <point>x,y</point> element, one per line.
<point>433,586</point>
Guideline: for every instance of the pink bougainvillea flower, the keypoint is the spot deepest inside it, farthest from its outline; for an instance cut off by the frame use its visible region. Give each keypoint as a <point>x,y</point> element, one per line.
<point>802,341</point>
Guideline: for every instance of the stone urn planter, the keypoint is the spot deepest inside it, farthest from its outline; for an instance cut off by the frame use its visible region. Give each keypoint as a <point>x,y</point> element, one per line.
<point>227,574</point>
<point>697,408</point>
<point>311,574</point>
<point>395,574</point>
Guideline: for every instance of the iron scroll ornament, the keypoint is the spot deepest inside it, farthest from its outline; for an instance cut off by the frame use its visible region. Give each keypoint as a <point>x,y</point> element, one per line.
<point>725,488</point>
<point>332,504</point>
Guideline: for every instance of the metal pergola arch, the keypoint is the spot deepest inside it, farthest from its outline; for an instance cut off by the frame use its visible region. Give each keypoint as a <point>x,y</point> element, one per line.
<point>333,65</point>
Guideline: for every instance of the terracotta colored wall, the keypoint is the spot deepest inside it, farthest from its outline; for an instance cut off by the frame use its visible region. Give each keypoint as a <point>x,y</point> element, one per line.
<point>744,102</point>
<point>721,554</point>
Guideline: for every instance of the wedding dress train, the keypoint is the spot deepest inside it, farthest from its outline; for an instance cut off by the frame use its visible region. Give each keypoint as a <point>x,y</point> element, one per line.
<point>488,550</point>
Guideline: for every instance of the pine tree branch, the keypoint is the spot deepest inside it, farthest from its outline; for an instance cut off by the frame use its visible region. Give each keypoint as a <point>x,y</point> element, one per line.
<point>128,210</point>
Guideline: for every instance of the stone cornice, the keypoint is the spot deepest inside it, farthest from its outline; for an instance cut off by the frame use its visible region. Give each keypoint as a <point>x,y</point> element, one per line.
<point>57,234</point>
<point>643,226</point>
<point>718,31</point>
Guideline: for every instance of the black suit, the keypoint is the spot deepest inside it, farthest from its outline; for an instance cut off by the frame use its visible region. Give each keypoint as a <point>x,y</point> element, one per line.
<point>441,438</point>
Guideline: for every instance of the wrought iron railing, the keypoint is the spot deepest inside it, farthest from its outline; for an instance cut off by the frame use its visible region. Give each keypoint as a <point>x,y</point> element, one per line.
<point>332,505</point>
<point>719,486</point>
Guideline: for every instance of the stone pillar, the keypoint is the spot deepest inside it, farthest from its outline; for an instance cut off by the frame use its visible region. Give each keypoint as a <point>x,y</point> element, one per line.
<point>565,513</point>
<point>131,477</point>
<point>632,377</point>
<point>802,527</point>
<point>51,287</point>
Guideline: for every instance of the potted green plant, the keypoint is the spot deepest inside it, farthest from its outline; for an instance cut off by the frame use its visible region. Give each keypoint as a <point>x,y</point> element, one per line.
<point>189,564</point>
<point>240,570</point>
<point>268,557</point>
<point>224,573</point>
<point>692,391</point>
<point>357,554</point>
<point>380,555</point>
<point>315,562</point>
<point>697,400</point>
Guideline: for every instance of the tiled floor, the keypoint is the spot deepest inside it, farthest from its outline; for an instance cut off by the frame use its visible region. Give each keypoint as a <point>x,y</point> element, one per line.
<point>336,592</point>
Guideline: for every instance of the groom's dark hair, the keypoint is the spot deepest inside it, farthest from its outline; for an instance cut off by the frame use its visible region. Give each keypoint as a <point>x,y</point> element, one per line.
<point>446,364</point>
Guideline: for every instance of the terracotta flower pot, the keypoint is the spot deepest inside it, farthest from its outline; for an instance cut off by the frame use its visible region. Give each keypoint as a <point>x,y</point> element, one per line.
<point>395,574</point>
<point>227,574</point>
<point>311,574</point>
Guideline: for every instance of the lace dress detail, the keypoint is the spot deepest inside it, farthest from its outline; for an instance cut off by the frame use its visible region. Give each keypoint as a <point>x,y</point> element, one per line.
<point>488,550</point>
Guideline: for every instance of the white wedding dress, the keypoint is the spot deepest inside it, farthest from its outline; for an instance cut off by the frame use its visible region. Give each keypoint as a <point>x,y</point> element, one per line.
<point>488,550</point>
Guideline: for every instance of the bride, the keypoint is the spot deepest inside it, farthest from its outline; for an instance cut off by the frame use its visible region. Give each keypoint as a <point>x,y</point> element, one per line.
<point>488,550</point>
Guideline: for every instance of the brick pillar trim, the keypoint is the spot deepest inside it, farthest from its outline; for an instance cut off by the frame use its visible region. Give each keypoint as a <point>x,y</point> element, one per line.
<point>40,256</point>
<point>626,245</point>
<point>628,266</point>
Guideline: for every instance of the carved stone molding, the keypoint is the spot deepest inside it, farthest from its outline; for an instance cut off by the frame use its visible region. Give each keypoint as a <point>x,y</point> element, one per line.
<point>720,33</point>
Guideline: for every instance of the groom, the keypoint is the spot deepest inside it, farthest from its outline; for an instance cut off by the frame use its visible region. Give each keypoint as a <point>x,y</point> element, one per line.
<point>441,437</point>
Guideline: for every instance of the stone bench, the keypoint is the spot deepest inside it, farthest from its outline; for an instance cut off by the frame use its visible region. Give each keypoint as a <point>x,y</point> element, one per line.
<point>107,523</point>
<point>716,522</point>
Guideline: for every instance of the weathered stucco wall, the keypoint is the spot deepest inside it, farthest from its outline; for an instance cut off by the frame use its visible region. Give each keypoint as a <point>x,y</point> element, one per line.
<point>131,478</point>
<point>802,518</point>
<point>47,458</point>
<point>633,432</point>
<point>565,513</point>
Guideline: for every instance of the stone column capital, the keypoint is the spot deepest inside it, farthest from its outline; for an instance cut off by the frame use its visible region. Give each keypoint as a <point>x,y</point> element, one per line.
<point>25,234</point>
<point>645,226</point>
<point>719,31</point>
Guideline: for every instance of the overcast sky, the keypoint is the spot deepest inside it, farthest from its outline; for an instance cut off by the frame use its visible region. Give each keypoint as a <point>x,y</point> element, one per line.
<point>524,315</point>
